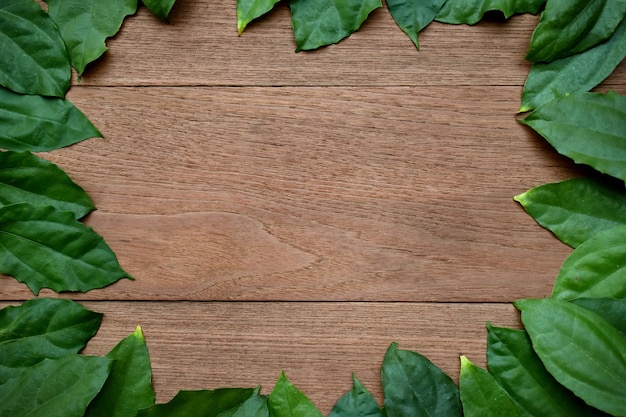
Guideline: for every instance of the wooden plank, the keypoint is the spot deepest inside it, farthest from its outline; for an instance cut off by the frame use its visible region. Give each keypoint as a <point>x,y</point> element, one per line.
<point>318,345</point>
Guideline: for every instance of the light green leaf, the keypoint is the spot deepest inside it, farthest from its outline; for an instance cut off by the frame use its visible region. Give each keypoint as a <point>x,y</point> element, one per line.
<point>575,210</point>
<point>54,388</point>
<point>358,402</point>
<point>595,269</point>
<point>129,385</point>
<point>288,401</point>
<point>611,310</point>
<point>589,128</point>
<point>413,16</point>
<point>470,12</point>
<point>248,10</point>
<point>255,406</point>
<point>415,387</point>
<point>42,328</point>
<point>323,22</point>
<point>35,123</point>
<point>481,394</point>
<point>33,58</point>
<point>86,24</point>
<point>47,248</point>
<point>160,8</point>
<point>568,27</point>
<point>580,349</point>
<point>518,369</point>
<point>20,181</point>
<point>577,73</point>
<point>216,403</point>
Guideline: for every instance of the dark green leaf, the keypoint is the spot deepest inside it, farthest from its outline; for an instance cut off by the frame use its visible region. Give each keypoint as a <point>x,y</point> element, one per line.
<point>481,394</point>
<point>611,310</point>
<point>255,406</point>
<point>590,128</point>
<point>86,24</point>
<point>323,22</point>
<point>573,74</point>
<point>470,12</point>
<point>42,328</point>
<point>248,10</point>
<point>160,8</point>
<point>288,401</point>
<point>39,124</point>
<point>214,403</point>
<point>413,16</point>
<point>568,27</point>
<point>517,368</point>
<point>358,402</point>
<point>54,388</point>
<point>415,387</point>
<point>595,269</point>
<point>129,386</point>
<point>576,210</point>
<point>20,181</point>
<point>33,58</point>
<point>580,349</point>
<point>47,248</point>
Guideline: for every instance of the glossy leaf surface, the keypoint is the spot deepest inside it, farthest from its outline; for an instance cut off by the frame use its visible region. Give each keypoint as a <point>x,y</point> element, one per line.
<point>128,388</point>
<point>248,10</point>
<point>580,349</point>
<point>595,269</point>
<point>575,210</point>
<point>568,27</point>
<point>611,310</point>
<point>481,394</point>
<point>286,401</point>
<point>47,248</point>
<point>472,11</point>
<point>85,25</point>
<point>160,8</point>
<point>413,386</point>
<point>220,402</point>
<point>589,128</point>
<point>42,328</point>
<point>518,369</point>
<point>323,22</point>
<point>20,181</point>
<point>33,58</point>
<point>55,387</point>
<point>413,16</point>
<point>358,402</point>
<point>577,73</point>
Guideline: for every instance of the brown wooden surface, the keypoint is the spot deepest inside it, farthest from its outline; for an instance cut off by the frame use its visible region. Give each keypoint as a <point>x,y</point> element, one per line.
<point>300,212</point>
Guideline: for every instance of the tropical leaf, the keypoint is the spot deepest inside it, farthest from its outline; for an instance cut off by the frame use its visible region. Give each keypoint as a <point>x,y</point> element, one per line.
<point>470,12</point>
<point>611,310</point>
<point>220,402</point>
<point>160,8</point>
<point>288,401</point>
<point>358,402</point>
<point>413,16</point>
<point>248,10</point>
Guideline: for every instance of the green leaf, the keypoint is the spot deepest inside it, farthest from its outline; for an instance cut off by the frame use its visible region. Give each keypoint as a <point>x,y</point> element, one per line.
<point>415,387</point>
<point>54,388</point>
<point>611,310</point>
<point>42,328</point>
<point>20,181</point>
<point>129,385</point>
<point>589,128</point>
<point>518,369</point>
<point>288,401</point>
<point>86,24</point>
<point>323,22</point>
<point>33,59</point>
<point>577,73</point>
<point>575,210</point>
<point>248,10</point>
<point>481,394</point>
<point>470,12</point>
<point>214,403</point>
<point>580,349</point>
<point>568,27</point>
<point>40,124</point>
<point>413,16</point>
<point>595,269</point>
<point>159,8</point>
<point>47,248</point>
<point>358,402</point>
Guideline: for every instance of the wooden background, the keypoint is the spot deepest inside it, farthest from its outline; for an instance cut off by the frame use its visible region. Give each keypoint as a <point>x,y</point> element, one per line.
<point>300,212</point>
